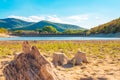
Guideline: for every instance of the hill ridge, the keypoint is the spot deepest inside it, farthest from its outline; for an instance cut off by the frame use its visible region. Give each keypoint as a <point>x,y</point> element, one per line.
<point>106,28</point>
<point>17,24</point>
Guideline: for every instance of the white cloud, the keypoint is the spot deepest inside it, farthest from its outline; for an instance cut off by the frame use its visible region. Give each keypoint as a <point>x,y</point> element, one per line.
<point>86,21</point>
<point>79,18</point>
<point>36,18</point>
<point>54,18</point>
<point>97,17</point>
<point>29,19</point>
<point>75,19</point>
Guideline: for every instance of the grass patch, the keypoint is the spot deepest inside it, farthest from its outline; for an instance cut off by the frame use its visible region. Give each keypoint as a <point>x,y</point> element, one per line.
<point>99,49</point>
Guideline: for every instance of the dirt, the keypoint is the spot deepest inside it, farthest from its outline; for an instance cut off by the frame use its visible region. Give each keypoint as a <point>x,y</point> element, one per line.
<point>96,69</point>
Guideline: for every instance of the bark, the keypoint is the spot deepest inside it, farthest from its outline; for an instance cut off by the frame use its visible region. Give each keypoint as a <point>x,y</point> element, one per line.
<point>79,58</point>
<point>30,65</point>
<point>59,59</point>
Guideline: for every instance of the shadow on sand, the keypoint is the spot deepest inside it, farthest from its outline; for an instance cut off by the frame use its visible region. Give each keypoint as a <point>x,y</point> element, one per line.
<point>90,78</point>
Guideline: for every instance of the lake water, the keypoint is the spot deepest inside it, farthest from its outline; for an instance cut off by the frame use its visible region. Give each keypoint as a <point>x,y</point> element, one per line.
<point>58,38</point>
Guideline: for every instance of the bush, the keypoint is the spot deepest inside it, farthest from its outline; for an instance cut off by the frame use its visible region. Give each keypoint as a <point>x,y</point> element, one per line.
<point>50,29</point>
<point>68,31</point>
<point>3,30</point>
<point>18,32</point>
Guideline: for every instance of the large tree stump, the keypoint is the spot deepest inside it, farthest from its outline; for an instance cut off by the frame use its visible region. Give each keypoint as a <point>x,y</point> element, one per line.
<point>30,65</point>
<point>59,59</point>
<point>79,58</point>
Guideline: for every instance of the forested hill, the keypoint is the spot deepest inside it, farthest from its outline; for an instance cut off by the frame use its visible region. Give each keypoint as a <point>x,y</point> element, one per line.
<point>12,23</point>
<point>16,24</point>
<point>59,26</point>
<point>110,27</point>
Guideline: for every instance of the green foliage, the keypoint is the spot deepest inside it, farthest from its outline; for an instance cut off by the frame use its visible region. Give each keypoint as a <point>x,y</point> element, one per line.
<point>47,29</point>
<point>16,24</point>
<point>98,49</point>
<point>59,27</point>
<point>3,30</point>
<point>68,31</point>
<point>18,31</point>
<point>39,30</point>
<point>50,29</point>
<point>12,23</point>
<point>110,27</point>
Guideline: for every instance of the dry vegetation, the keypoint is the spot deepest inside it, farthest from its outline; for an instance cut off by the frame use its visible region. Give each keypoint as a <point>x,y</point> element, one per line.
<point>104,57</point>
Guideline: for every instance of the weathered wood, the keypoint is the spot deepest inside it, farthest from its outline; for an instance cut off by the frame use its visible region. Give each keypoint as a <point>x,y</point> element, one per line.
<point>30,65</point>
<point>79,58</point>
<point>59,59</point>
<point>26,47</point>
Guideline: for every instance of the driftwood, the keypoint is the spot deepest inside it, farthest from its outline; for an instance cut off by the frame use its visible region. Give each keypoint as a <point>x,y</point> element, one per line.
<point>79,58</point>
<point>59,59</point>
<point>30,65</point>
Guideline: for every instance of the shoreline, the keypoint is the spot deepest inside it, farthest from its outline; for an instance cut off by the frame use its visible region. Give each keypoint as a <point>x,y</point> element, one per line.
<point>111,35</point>
<point>117,35</point>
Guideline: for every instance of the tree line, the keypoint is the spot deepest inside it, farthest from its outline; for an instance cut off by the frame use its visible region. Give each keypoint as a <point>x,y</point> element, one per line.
<point>48,30</point>
<point>110,27</point>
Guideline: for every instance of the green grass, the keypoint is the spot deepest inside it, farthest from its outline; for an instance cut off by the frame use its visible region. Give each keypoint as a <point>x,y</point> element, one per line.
<point>99,49</point>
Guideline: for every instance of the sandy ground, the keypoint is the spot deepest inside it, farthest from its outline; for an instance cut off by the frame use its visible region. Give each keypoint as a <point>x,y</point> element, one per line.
<point>4,35</point>
<point>97,69</point>
<point>3,62</point>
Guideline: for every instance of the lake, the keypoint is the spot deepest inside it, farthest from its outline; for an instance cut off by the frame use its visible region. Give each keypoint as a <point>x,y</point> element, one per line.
<point>58,38</point>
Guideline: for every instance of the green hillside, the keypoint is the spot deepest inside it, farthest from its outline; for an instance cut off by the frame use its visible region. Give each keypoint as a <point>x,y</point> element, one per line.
<point>110,27</point>
<point>16,24</point>
<point>60,27</point>
<point>12,23</point>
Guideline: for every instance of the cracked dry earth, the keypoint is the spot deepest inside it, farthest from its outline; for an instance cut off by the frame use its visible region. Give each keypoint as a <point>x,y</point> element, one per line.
<point>97,69</point>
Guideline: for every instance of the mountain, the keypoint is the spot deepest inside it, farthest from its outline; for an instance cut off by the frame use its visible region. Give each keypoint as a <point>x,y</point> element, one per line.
<point>16,24</point>
<point>60,27</point>
<point>110,27</point>
<point>12,23</point>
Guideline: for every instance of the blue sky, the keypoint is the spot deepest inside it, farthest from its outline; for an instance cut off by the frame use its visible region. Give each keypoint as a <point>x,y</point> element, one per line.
<point>85,13</point>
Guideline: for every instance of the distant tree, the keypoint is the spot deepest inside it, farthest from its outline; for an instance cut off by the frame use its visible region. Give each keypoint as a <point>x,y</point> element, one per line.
<point>110,27</point>
<point>49,29</point>
<point>3,30</point>
<point>69,31</point>
<point>18,31</point>
<point>39,30</point>
<point>88,32</point>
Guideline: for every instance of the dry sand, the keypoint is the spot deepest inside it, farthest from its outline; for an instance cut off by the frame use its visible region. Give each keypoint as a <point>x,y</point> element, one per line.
<point>97,69</point>
<point>4,35</point>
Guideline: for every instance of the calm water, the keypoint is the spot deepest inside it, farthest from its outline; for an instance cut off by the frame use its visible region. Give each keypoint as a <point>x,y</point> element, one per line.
<point>58,38</point>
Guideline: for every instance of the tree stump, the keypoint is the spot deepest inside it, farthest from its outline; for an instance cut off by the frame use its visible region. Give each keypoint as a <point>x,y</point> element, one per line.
<point>30,65</point>
<point>59,59</point>
<point>79,58</point>
<point>26,47</point>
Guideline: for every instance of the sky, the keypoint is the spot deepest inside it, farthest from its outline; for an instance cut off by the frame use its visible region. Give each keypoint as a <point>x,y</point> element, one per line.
<point>84,13</point>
